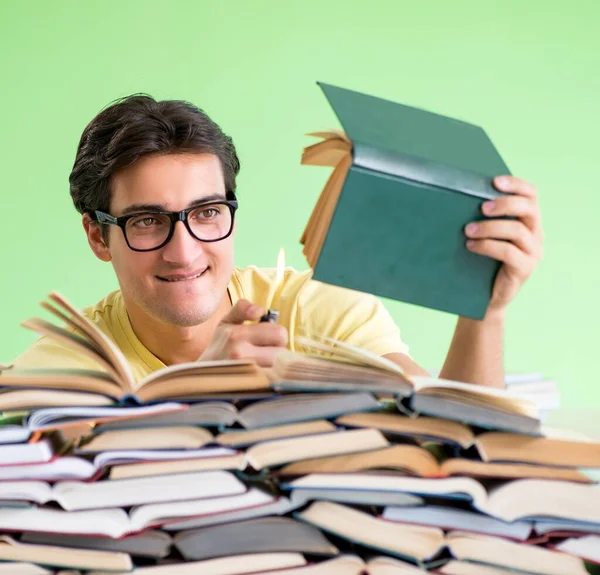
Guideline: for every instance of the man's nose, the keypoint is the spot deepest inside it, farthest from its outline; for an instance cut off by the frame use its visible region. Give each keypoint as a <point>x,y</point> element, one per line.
<point>182,248</point>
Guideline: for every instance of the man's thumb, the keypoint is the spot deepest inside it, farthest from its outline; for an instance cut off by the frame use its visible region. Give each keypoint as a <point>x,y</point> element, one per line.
<point>243,311</point>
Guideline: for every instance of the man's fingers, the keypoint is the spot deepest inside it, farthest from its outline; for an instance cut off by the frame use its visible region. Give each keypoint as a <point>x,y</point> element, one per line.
<point>506,252</point>
<point>241,312</point>
<point>514,185</point>
<point>260,334</point>
<point>520,207</point>
<point>510,230</point>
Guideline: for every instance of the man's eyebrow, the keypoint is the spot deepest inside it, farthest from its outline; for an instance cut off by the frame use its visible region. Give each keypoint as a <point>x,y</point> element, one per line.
<point>136,208</point>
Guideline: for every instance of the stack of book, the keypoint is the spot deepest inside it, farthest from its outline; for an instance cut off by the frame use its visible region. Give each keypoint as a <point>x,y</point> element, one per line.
<point>335,462</point>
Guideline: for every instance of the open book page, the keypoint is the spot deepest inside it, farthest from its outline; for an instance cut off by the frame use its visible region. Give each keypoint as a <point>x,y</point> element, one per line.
<point>330,151</point>
<point>90,340</point>
<point>490,396</point>
<point>349,352</point>
<point>109,349</point>
<point>72,340</point>
<point>320,218</point>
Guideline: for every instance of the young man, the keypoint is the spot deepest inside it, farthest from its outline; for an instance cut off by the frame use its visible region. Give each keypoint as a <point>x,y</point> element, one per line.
<point>155,184</point>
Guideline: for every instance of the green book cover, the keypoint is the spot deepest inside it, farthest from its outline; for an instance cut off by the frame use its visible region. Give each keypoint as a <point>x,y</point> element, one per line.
<point>417,178</point>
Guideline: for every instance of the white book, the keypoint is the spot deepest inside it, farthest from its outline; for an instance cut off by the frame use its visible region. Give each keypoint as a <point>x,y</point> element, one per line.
<point>14,434</point>
<point>78,495</point>
<point>116,523</point>
<point>25,453</point>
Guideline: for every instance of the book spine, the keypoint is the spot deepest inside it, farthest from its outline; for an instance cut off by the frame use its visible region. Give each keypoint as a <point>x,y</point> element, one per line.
<point>424,171</point>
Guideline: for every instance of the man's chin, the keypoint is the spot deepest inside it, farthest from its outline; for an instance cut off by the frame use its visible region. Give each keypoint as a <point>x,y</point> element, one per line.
<point>181,318</point>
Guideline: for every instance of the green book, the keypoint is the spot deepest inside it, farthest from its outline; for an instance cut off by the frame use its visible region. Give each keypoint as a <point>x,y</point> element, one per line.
<point>390,220</point>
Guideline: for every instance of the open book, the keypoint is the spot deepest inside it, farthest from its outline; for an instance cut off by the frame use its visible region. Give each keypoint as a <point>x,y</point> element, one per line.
<point>115,378</point>
<point>424,544</point>
<point>344,367</point>
<point>405,184</point>
<point>510,501</point>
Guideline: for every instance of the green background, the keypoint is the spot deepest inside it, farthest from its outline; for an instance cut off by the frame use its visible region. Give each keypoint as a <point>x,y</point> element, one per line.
<point>525,71</point>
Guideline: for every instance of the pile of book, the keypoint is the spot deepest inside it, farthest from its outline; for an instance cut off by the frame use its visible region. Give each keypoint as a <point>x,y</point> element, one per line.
<point>335,462</point>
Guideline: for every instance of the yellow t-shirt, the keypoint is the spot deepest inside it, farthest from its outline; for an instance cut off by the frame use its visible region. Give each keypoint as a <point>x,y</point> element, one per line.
<point>305,307</point>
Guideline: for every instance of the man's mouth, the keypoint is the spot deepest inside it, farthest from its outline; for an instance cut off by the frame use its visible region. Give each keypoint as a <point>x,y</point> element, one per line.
<point>181,277</point>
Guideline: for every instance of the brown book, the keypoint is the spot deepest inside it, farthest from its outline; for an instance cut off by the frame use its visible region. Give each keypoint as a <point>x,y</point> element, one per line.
<point>417,461</point>
<point>115,378</point>
<point>405,458</point>
<point>513,447</point>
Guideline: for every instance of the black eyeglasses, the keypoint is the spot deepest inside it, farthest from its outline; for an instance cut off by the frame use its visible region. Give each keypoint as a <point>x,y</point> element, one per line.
<point>147,231</point>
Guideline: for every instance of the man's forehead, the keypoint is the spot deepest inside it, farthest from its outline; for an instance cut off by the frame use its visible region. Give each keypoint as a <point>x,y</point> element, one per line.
<point>172,182</point>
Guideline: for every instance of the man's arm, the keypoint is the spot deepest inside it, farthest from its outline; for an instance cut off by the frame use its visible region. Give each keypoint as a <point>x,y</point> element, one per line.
<point>475,354</point>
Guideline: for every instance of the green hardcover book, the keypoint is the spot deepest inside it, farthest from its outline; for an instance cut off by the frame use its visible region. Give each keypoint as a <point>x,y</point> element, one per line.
<point>390,220</point>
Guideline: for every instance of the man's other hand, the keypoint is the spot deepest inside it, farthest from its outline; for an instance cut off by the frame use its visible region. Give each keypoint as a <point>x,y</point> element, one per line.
<point>236,339</point>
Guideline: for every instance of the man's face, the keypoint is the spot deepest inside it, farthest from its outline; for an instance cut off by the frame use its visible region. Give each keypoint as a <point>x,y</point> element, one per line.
<point>184,282</point>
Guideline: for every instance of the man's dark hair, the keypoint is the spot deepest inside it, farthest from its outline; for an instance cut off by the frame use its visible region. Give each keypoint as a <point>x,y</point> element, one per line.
<point>137,126</point>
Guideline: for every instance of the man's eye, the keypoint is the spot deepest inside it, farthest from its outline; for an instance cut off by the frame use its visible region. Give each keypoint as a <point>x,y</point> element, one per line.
<point>146,222</point>
<point>207,213</point>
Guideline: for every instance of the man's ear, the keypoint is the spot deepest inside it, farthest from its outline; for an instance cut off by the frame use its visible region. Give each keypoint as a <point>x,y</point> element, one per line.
<point>95,239</point>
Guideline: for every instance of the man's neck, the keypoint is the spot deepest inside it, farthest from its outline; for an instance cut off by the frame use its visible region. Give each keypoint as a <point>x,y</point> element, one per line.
<point>172,344</point>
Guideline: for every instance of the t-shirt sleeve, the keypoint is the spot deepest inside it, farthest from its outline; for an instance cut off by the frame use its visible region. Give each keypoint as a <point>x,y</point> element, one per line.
<point>353,317</point>
<point>46,353</point>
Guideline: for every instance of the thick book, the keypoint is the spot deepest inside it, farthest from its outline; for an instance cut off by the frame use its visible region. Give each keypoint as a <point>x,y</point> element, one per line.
<point>115,379</point>
<point>405,183</point>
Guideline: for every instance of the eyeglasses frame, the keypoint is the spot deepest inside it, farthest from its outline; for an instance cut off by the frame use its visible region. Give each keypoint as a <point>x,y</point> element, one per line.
<point>174,217</point>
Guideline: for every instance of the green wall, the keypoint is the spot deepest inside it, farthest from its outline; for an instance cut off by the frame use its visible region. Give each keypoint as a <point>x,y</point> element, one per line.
<point>525,70</point>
